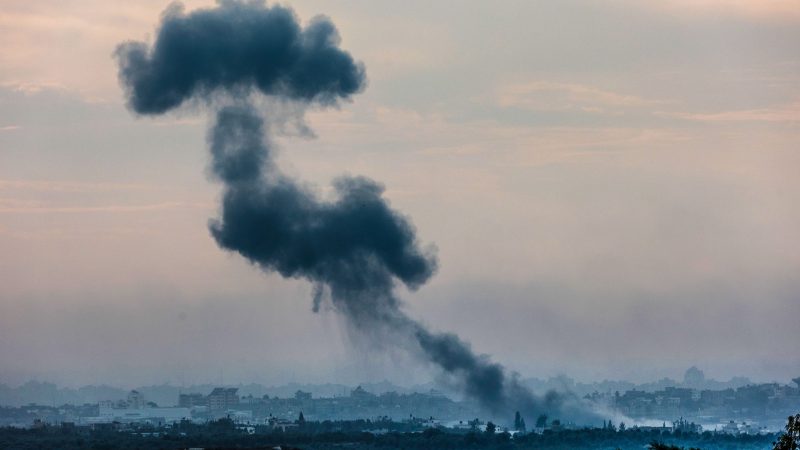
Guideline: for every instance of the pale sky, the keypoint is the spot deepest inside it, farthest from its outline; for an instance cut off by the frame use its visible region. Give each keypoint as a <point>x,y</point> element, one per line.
<point>611,185</point>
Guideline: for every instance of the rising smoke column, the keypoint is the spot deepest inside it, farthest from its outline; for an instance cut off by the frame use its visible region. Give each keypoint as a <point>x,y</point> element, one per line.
<point>354,248</point>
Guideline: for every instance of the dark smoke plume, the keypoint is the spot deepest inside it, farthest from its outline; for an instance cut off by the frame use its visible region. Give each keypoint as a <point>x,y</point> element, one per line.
<point>353,248</point>
<point>237,47</point>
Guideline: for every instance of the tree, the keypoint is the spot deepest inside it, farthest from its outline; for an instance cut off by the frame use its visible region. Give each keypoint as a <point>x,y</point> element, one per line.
<point>519,422</point>
<point>790,439</point>
<point>432,432</point>
<point>622,426</point>
<point>655,445</point>
<point>541,421</point>
<point>301,420</point>
<point>491,428</point>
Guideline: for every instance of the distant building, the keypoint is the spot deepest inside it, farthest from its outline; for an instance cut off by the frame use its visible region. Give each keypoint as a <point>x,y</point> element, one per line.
<point>223,398</point>
<point>281,424</point>
<point>110,414</point>
<point>686,427</point>
<point>192,400</point>
<point>684,395</point>
<point>136,400</point>
<point>300,395</point>
<point>360,393</point>
<point>716,398</point>
<point>731,428</point>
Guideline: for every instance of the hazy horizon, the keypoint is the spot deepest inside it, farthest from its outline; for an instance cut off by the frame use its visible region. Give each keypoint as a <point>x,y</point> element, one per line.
<point>431,383</point>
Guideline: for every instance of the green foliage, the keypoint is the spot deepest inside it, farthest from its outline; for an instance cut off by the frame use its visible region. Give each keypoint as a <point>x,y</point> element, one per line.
<point>350,435</point>
<point>659,446</point>
<point>519,422</point>
<point>789,439</point>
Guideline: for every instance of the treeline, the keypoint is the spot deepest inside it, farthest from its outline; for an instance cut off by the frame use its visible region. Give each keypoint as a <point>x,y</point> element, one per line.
<point>318,436</point>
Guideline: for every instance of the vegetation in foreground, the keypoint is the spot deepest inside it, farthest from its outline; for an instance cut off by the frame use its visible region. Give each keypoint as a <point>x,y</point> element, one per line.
<point>344,435</point>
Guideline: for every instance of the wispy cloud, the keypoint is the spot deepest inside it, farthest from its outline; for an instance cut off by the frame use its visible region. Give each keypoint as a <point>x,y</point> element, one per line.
<point>557,96</point>
<point>757,9</point>
<point>491,142</point>
<point>70,186</point>
<point>6,202</point>
<point>32,88</point>
<point>100,209</point>
<point>56,233</point>
<point>785,113</point>
<point>10,128</point>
